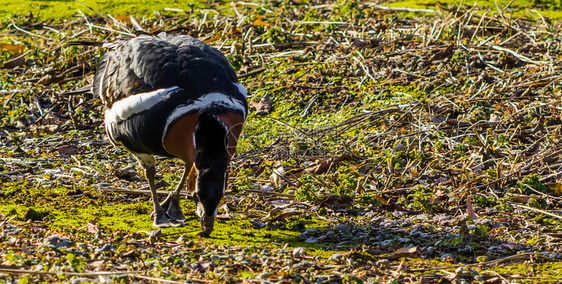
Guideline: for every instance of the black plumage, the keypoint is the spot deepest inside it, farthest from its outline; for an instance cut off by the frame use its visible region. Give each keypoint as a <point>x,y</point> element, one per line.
<point>147,63</point>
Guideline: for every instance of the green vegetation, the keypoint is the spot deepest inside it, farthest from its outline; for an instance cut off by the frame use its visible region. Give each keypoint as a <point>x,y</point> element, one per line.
<point>382,124</point>
<point>56,9</point>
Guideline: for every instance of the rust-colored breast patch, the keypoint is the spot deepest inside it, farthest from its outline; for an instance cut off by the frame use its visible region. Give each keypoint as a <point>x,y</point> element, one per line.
<point>179,139</point>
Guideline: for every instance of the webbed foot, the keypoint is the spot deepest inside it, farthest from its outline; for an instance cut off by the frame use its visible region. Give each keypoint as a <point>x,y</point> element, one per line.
<point>162,220</point>
<point>173,209</point>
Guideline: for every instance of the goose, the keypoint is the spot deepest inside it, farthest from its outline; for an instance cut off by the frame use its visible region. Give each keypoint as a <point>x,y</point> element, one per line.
<point>174,96</point>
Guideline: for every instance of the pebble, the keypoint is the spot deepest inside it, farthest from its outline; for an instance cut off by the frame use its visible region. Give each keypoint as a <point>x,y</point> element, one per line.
<point>298,252</point>
<point>336,256</point>
<point>57,241</point>
<point>387,243</point>
<point>344,229</point>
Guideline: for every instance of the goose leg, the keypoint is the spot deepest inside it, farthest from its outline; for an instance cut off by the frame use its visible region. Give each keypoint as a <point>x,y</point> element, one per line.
<point>159,214</point>
<point>172,201</point>
<point>160,219</point>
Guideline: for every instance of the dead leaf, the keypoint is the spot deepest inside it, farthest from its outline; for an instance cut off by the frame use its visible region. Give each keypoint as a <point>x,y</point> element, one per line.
<point>335,201</point>
<point>275,177</point>
<point>90,227</point>
<point>556,187</point>
<point>257,170</point>
<point>12,47</point>
<point>403,252</point>
<point>68,150</point>
<point>325,165</point>
<point>50,129</point>
<point>263,106</point>
<point>494,118</point>
<point>443,54</point>
<point>16,62</point>
<point>278,214</point>
<point>202,266</point>
<point>437,109</point>
<point>128,173</point>
<point>438,119</point>
<point>260,22</point>
<point>456,123</point>
<point>49,79</point>
<point>125,19</point>
<point>470,209</point>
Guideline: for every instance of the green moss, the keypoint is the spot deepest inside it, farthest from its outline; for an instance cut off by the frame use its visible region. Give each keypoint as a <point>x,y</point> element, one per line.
<point>112,216</point>
<point>66,9</point>
<point>549,269</point>
<point>35,215</point>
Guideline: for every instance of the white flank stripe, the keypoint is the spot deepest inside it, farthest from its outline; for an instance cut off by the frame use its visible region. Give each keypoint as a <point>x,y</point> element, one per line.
<point>202,103</point>
<point>241,89</point>
<point>131,105</point>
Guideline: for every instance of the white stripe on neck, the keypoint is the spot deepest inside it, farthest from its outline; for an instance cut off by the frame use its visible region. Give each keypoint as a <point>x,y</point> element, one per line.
<point>202,103</point>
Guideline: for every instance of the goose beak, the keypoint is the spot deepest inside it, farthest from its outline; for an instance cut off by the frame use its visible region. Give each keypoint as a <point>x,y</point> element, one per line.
<point>207,223</point>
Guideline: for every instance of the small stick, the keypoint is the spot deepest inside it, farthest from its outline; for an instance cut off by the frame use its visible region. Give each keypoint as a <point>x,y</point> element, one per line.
<point>405,9</point>
<point>307,109</point>
<point>85,274</point>
<point>171,281</point>
<point>141,191</point>
<point>111,30</point>
<point>136,24</point>
<point>537,210</point>
<point>292,196</point>
<point>252,73</point>
<point>519,56</point>
<point>27,32</point>
<point>98,13</point>
<point>11,97</point>
<point>483,264</point>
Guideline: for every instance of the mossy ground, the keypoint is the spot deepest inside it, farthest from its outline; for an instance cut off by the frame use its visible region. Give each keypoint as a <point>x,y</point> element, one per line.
<point>56,9</point>
<point>423,132</point>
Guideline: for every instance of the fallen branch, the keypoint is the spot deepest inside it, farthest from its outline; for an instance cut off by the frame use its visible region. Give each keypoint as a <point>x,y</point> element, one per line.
<point>482,264</point>
<point>190,280</point>
<point>83,274</point>
<point>536,210</point>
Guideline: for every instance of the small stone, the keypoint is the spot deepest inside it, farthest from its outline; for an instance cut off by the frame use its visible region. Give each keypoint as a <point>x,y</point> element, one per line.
<point>311,240</point>
<point>430,250</point>
<point>56,241</point>
<point>105,248</point>
<point>264,275</point>
<point>298,252</point>
<point>448,258</point>
<point>344,229</point>
<point>387,243</point>
<point>257,224</point>
<point>183,239</point>
<point>383,262</point>
<point>336,256</point>
<point>154,235</point>
<point>80,280</point>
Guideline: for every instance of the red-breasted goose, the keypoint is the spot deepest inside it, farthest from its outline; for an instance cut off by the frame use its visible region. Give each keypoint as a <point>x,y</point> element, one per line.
<point>175,96</point>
